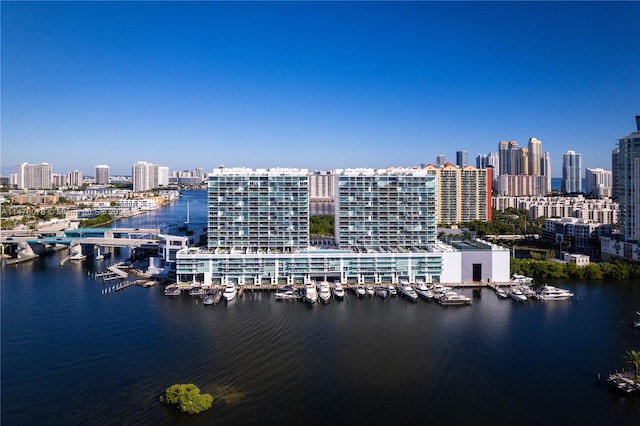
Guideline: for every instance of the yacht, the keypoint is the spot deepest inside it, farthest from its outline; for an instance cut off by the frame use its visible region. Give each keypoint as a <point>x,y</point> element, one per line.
<point>229,292</point>
<point>208,299</point>
<point>451,298</point>
<point>370,290</point>
<point>360,291</point>
<point>521,279</point>
<point>501,293</point>
<point>310,293</point>
<point>423,290</point>
<point>382,292</point>
<point>286,293</point>
<point>548,292</point>
<point>338,291</point>
<point>407,291</point>
<point>196,291</point>
<point>172,290</point>
<point>392,290</point>
<point>516,294</point>
<point>325,293</point>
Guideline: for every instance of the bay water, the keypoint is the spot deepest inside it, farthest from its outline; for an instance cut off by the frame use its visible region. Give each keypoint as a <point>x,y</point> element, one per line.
<point>71,354</point>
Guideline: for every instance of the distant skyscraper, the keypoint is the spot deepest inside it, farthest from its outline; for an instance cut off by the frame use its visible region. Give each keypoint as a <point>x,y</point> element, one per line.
<point>144,176</point>
<point>101,174</point>
<point>628,184</point>
<point>523,163</point>
<point>571,172</point>
<point>493,160</point>
<point>535,156</point>
<point>462,159</point>
<point>598,182</point>
<point>503,155</point>
<point>75,178</point>
<point>163,176</point>
<point>440,160</point>
<point>34,176</point>
<point>514,158</point>
<point>546,170</point>
<point>614,174</point>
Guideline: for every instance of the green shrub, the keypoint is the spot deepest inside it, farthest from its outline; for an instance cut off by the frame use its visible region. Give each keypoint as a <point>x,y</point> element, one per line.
<point>187,398</point>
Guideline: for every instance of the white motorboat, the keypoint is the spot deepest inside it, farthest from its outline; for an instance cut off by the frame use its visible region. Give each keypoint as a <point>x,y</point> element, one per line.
<point>451,298</point>
<point>548,292</point>
<point>382,292</point>
<point>310,293</point>
<point>286,293</point>
<point>636,323</point>
<point>521,279</point>
<point>392,290</point>
<point>516,294</point>
<point>360,291</point>
<point>338,291</point>
<point>196,291</point>
<point>229,292</point>
<point>325,293</point>
<point>407,291</point>
<point>423,290</point>
<point>208,299</point>
<point>172,290</point>
<point>370,290</point>
<point>501,293</point>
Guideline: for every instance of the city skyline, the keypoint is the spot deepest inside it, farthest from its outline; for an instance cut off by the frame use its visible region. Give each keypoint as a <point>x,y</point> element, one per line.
<point>313,85</point>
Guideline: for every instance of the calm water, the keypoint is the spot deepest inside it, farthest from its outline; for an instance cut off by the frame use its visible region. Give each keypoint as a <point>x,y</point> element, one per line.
<point>71,355</point>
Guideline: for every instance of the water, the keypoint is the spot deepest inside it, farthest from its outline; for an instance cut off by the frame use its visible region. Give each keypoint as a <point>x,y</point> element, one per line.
<point>71,355</point>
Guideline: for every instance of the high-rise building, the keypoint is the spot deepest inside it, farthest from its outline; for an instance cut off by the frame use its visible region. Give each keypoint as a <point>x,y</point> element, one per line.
<point>571,172</point>
<point>34,176</point>
<point>463,195</point>
<point>513,159</point>
<point>503,155</point>
<point>535,157</point>
<point>440,160</point>
<point>75,179</point>
<point>522,165</point>
<point>101,174</point>
<point>258,209</point>
<point>393,207</point>
<point>321,186</point>
<point>628,184</point>
<point>163,176</point>
<point>598,182</point>
<point>614,173</point>
<point>462,158</point>
<point>546,170</point>
<point>146,176</point>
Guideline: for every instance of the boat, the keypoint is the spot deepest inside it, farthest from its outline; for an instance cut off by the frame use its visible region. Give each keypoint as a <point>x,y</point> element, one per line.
<point>636,323</point>
<point>338,291</point>
<point>392,290</point>
<point>521,279</point>
<point>196,291</point>
<point>623,384</point>
<point>548,292</point>
<point>360,291</point>
<point>229,292</point>
<point>286,293</point>
<point>381,292</point>
<point>407,291</point>
<point>451,298</point>
<point>370,290</point>
<point>172,290</point>
<point>423,290</point>
<point>516,294</point>
<point>325,293</point>
<point>501,293</point>
<point>310,293</point>
<point>208,299</point>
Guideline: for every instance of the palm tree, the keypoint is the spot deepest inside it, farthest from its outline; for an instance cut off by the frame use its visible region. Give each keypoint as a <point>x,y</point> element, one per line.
<point>633,357</point>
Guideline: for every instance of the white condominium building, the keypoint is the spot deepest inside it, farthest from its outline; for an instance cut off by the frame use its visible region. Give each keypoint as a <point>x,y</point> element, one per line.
<point>34,176</point>
<point>258,209</point>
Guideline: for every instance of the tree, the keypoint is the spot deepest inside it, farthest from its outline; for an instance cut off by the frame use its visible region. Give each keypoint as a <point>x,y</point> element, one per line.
<point>187,398</point>
<point>633,357</point>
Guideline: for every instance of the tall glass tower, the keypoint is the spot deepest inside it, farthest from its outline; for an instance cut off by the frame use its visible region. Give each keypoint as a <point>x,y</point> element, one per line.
<point>571,172</point>
<point>627,169</point>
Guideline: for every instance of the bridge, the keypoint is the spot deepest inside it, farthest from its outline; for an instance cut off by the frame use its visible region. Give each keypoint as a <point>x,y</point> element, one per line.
<point>103,237</point>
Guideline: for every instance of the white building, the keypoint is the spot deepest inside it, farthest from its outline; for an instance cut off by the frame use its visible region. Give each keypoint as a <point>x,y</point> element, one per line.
<point>101,174</point>
<point>34,176</point>
<point>599,182</point>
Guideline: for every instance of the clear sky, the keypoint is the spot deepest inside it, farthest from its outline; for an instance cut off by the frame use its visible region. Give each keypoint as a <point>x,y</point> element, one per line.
<point>313,85</point>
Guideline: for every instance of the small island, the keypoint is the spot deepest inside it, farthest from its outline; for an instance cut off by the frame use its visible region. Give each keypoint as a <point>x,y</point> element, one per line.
<point>187,398</point>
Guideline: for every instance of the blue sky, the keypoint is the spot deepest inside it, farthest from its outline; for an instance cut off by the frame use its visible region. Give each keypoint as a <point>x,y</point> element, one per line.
<point>313,85</point>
